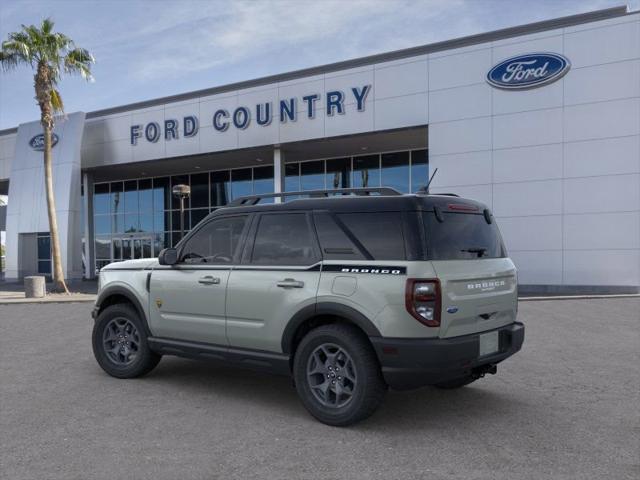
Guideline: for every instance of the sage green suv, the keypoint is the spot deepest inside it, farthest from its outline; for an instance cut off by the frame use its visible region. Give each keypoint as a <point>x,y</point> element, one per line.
<point>349,292</point>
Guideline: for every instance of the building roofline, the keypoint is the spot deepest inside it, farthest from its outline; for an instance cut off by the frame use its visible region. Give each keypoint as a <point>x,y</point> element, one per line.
<point>494,35</point>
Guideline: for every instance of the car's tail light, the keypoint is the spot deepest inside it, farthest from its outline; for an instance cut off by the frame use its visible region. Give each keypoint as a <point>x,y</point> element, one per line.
<point>422,298</point>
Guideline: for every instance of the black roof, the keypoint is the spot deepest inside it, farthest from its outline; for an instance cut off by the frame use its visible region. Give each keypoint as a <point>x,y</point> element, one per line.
<point>370,203</point>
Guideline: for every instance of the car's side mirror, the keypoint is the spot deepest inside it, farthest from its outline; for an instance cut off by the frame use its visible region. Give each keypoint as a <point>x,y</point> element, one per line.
<point>168,256</point>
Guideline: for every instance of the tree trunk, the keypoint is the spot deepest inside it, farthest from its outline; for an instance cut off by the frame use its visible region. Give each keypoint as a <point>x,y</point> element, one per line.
<point>59,284</point>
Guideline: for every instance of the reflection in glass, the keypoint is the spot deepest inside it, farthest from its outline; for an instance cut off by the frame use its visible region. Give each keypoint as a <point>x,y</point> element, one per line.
<point>116,198</point>
<point>312,175</point>
<point>198,215</point>
<point>395,171</point>
<point>103,248</point>
<point>145,195</point>
<point>131,223</point>
<point>366,171</point>
<point>161,194</point>
<point>101,198</point>
<point>146,222</point>
<point>44,267</point>
<point>200,190</point>
<point>117,249</point>
<point>339,173</point>
<point>161,221</point>
<point>117,223</point>
<point>102,224</point>
<point>241,182</point>
<point>44,247</point>
<point>419,169</point>
<point>263,181</point>
<point>220,188</point>
<point>131,203</point>
<point>126,248</point>
<point>292,177</point>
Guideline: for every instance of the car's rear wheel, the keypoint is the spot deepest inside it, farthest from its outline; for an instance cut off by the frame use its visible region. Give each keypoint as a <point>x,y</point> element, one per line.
<point>337,375</point>
<point>120,343</point>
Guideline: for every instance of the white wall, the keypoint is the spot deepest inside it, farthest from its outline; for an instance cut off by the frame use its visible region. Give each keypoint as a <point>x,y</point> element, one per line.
<point>397,99</point>
<point>560,164</point>
<point>27,206</point>
<point>7,151</point>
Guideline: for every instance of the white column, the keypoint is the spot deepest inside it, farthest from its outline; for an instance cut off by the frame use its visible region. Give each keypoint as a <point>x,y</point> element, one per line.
<point>278,172</point>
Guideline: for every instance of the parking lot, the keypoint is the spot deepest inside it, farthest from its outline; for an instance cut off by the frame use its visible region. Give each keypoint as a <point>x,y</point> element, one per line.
<point>566,407</point>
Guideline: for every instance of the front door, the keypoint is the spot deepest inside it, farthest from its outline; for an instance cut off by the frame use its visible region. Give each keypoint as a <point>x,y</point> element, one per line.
<point>187,300</point>
<point>279,276</point>
<point>132,247</point>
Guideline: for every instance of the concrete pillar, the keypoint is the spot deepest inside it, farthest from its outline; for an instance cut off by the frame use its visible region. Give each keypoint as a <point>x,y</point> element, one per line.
<point>89,244</point>
<point>278,172</point>
<point>34,287</point>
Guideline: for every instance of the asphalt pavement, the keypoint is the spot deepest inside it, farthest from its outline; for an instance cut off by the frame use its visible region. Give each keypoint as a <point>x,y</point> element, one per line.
<point>567,406</point>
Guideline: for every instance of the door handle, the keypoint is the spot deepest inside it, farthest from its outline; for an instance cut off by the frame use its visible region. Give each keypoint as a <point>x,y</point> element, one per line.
<point>290,283</point>
<point>209,280</point>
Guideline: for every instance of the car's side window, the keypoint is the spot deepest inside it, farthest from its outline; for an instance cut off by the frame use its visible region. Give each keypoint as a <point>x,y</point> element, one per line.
<point>216,242</point>
<point>284,239</point>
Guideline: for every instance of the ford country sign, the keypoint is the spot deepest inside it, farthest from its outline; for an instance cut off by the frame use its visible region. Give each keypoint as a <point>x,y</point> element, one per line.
<point>528,71</point>
<point>37,142</point>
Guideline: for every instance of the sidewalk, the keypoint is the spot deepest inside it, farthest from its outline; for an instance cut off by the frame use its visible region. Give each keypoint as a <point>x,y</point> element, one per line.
<point>11,293</point>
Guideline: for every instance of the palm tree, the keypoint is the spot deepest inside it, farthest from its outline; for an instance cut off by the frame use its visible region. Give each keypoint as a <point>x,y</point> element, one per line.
<point>50,55</point>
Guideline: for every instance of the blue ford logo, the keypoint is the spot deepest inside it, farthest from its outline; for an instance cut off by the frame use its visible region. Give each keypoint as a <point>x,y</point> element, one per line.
<point>528,71</point>
<point>452,309</point>
<point>37,142</point>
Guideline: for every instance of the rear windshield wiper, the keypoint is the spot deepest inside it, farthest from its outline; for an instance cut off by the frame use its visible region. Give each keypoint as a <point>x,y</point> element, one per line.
<point>480,251</point>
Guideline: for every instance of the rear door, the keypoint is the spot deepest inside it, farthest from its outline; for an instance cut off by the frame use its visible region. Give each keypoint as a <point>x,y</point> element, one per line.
<point>279,276</point>
<point>478,281</point>
<point>187,300</point>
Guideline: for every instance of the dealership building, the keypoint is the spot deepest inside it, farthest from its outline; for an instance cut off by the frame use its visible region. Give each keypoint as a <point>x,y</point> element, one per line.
<point>541,122</point>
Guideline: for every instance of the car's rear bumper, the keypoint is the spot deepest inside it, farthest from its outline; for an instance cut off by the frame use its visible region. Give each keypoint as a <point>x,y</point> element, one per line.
<point>411,363</point>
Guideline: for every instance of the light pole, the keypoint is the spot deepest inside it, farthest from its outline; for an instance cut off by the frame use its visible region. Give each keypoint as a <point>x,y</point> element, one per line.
<point>182,192</point>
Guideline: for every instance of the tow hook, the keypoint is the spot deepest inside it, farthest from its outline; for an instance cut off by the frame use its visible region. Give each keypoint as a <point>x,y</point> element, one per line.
<point>480,372</point>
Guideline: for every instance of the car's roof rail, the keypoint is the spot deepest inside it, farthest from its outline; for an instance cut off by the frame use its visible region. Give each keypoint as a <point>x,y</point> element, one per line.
<point>254,199</point>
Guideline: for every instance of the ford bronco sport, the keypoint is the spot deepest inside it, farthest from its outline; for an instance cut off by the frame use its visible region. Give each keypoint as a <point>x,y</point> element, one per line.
<point>349,291</point>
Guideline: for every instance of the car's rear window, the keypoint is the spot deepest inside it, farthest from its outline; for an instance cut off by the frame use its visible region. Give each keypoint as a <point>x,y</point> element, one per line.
<point>462,236</point>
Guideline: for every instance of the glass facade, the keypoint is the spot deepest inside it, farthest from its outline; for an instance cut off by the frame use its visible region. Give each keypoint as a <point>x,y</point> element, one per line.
<point>138,218</point>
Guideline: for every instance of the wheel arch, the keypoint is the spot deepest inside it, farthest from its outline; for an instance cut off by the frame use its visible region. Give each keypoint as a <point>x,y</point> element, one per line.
<point>117,294</point>
<point>323,313</point>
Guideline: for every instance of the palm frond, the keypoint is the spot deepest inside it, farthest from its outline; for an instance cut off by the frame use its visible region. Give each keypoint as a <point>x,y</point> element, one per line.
<point>56,101</point>
<point>79,61</point>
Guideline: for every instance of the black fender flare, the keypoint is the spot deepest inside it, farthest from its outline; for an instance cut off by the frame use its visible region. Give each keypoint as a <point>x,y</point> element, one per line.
<point>350,314</point>
<point>124,292</point>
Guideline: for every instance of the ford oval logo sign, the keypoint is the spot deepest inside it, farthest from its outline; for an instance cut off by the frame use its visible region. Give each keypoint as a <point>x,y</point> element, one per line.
<point>528,71</point>
<point>37,142</point>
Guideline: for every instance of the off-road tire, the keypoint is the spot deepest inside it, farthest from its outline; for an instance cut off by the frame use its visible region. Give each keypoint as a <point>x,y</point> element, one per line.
<point>369,389</point>
<point>144,359</point>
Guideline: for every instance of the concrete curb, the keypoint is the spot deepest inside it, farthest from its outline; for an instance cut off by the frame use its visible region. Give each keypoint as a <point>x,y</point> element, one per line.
<point>576,297</point>
<point>70,299</point>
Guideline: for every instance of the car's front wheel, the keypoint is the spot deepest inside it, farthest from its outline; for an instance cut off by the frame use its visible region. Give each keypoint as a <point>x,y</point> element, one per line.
<point>337,375</point>
<point>120,343</point>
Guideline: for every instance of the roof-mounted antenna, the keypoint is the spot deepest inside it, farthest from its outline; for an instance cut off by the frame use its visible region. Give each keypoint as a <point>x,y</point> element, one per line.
<point>425,190</point>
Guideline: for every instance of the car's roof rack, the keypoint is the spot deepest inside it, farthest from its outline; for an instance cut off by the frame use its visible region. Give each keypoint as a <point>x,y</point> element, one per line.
<point>254,199</point>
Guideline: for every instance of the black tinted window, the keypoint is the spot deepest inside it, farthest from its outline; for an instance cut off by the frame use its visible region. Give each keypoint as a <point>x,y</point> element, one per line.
<point>379,233</point>
<point>216,242</point>
<point>462,236</point>
<point>334,242</point>
<point>284,239</point>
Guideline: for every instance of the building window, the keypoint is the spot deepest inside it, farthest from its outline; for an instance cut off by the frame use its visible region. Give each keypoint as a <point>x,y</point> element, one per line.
<point>395,171</point>
<point>419,169</point>
<point>312,175</point>
<point>44,253</point>
<point>366,171</point>
<point>338,173</point>
<point>136,218</point>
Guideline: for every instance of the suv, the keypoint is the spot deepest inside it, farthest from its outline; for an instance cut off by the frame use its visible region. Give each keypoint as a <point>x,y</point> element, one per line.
<point>349,292</point>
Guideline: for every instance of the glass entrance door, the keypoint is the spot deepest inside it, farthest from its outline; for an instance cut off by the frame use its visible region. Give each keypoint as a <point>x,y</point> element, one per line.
<point>131,248</point>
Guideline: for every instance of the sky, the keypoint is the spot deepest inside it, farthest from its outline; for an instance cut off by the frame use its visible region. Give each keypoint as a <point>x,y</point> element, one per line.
<point>149,49</point>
